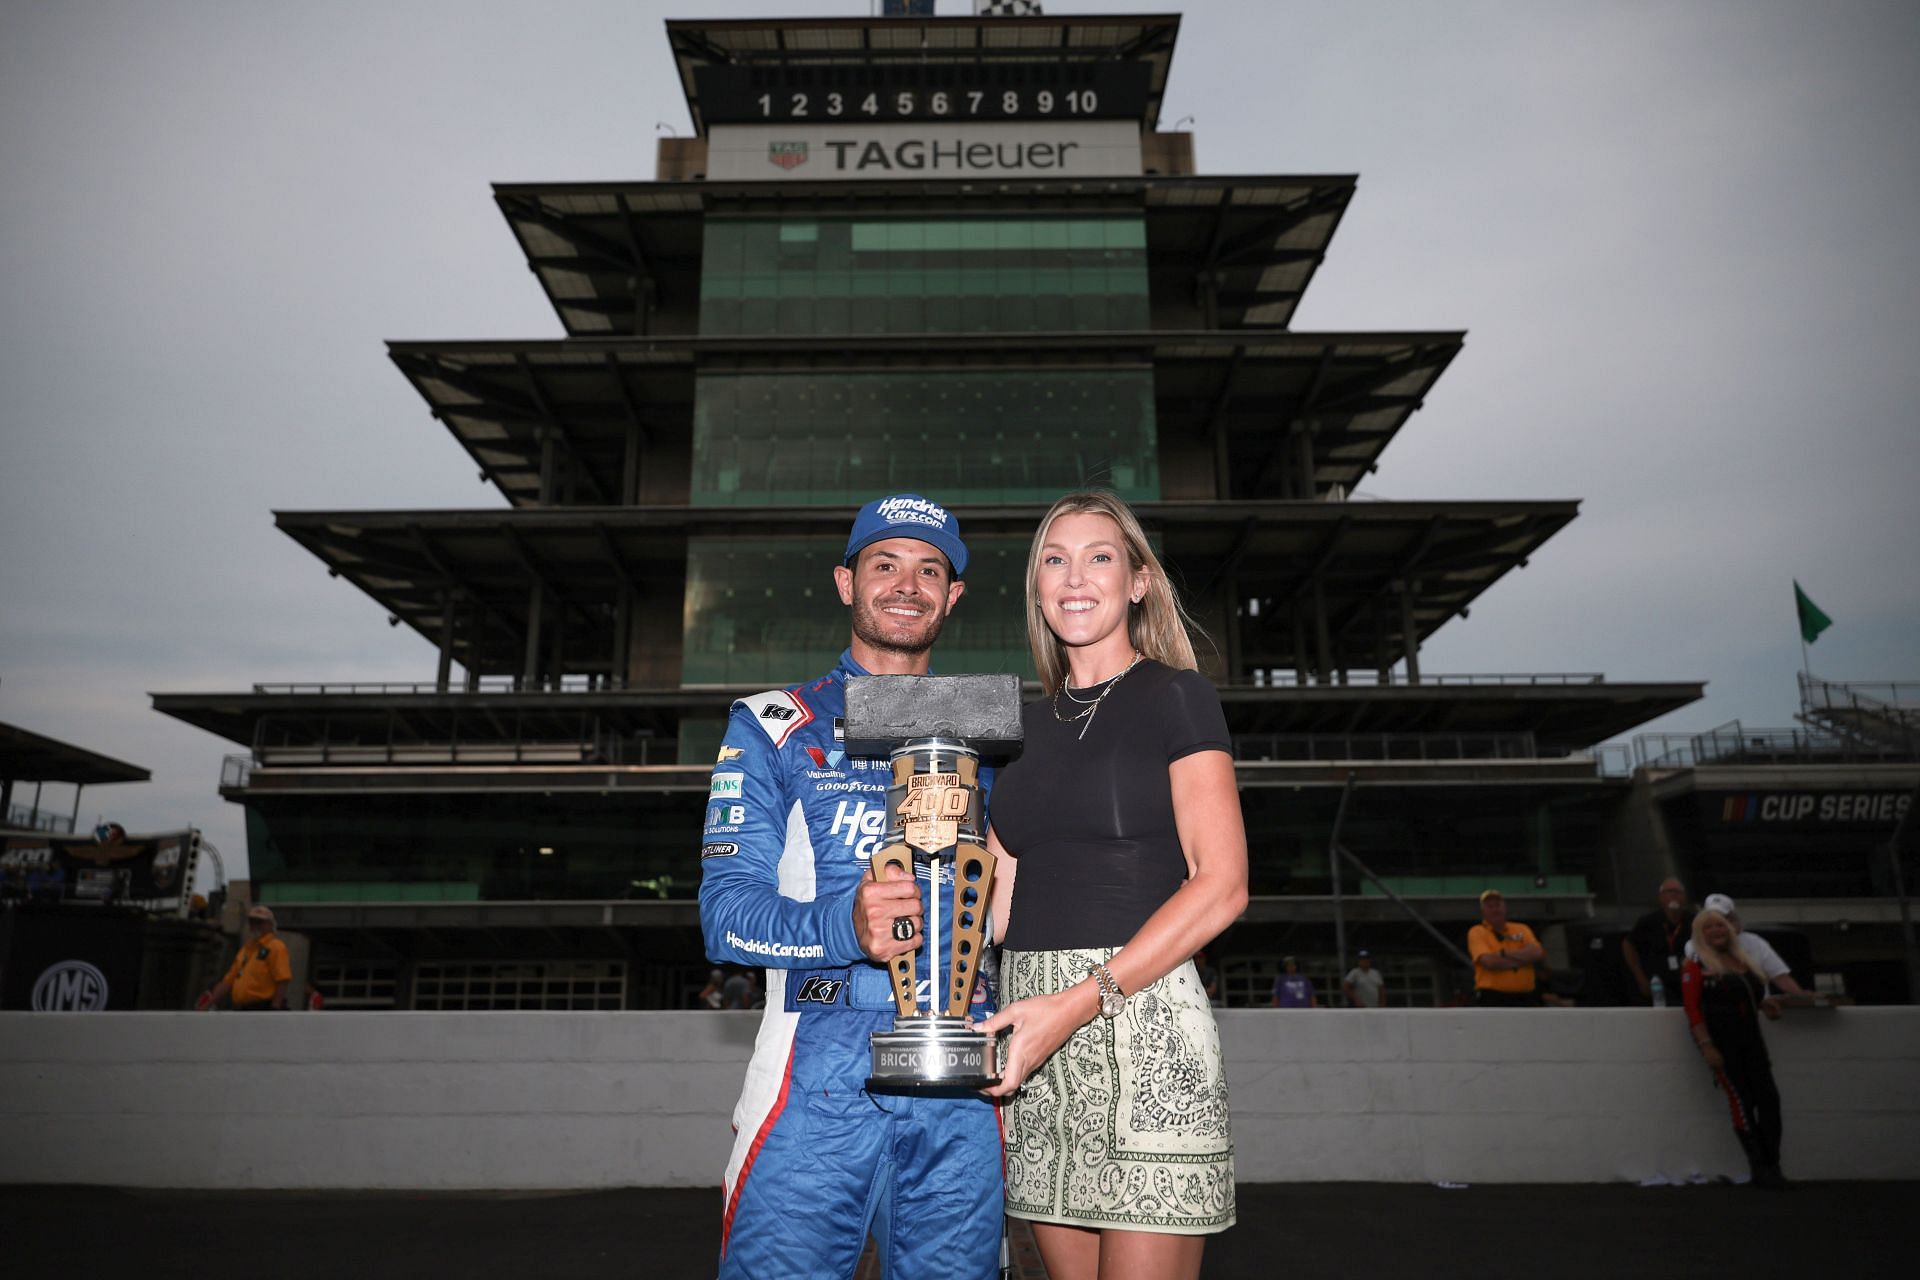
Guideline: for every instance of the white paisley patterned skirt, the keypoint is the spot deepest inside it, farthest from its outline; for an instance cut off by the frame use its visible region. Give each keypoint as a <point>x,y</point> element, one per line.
<point>1126,1126</point>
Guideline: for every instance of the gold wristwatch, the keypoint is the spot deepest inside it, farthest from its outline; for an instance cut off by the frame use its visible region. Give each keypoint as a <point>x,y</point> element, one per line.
<point>1112,999</point>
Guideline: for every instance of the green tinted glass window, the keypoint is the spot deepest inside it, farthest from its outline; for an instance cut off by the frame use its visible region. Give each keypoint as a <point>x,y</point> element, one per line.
<point>1005,435</point>
<point>420,847</point>
<point>787,276</point>
<point>764,611</point>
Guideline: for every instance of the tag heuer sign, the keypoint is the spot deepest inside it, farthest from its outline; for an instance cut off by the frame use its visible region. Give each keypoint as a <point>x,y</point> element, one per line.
<point>71,986</point>
<point>853,151</point>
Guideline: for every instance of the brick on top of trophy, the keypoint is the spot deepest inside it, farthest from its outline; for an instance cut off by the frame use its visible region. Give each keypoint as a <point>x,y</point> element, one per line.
<point>884,712</point>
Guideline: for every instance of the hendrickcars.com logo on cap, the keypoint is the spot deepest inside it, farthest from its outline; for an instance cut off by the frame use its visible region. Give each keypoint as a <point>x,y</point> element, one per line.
<point>908,515</point>
<point>909,509</point>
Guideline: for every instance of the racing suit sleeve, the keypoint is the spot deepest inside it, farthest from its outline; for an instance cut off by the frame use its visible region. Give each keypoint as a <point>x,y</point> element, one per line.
<point>1690,992</point>
<point>756,895</point>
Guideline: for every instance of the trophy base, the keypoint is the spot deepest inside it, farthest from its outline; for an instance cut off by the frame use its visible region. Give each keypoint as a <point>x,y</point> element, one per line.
<point>931,1055</point>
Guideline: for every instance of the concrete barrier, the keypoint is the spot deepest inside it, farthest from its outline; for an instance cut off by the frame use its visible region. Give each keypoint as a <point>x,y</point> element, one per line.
<point>526,1101</point>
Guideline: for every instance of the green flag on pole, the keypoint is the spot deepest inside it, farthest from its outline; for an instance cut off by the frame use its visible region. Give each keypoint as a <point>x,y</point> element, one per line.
<point>1812,621</point>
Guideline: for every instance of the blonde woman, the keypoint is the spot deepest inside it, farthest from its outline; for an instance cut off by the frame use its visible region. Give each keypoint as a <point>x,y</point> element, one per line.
<point>1725,996</point>
<point>1121,853</point>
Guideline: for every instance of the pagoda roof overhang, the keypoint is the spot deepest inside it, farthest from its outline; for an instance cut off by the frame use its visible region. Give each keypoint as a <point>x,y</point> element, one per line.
<point>29,757</point>
<point>404,714</point>
<point>920,42</point>
<point>1562,713</point>
<point>1258,399</point>
<point>603,250</point>
<point>1369,564</point>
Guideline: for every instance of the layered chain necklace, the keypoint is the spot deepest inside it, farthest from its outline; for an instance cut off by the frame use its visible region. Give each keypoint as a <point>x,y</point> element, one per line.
<point>1089,705</point>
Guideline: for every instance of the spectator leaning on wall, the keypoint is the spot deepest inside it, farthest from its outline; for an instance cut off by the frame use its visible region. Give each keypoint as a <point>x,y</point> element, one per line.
<point>1759,953</point>
<point>1659,940</point>
<point>1503,954</point>
<point>1366,986</point>
<point>1293,989</point>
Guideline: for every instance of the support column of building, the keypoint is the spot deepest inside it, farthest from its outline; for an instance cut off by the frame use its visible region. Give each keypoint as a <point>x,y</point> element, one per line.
<point>476,628</point>
<point>617,672</point>
<point>1304,486</point>
<point>530,669</point>
<point>1409,637</point>
<point>547,452</point>
<point>443,675</point>
<point>1382,654</point>
<point>1543,838</point>
<point>1322,640</point>
<point>1300,664</point>
<point>1236,620</point>
<point>630,468</point>
<point>536,598</point>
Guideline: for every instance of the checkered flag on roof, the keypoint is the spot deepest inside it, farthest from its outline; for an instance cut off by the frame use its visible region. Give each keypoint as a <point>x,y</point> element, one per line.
<point>1006,8</point>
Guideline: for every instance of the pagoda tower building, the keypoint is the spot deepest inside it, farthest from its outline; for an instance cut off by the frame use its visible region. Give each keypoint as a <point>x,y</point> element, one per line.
<point>953,256</point>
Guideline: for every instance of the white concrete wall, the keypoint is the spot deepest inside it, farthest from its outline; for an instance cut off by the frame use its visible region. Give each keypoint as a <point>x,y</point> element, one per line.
<point>502,1101</point>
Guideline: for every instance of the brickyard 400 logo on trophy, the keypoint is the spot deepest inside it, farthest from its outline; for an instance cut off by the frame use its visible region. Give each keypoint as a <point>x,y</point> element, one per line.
<point>934,731</point>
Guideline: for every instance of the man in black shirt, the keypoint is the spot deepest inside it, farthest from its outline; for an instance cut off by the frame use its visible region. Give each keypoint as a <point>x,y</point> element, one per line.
<point>1657,947</point>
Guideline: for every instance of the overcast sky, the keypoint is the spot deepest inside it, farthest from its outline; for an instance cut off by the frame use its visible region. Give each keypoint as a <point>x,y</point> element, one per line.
<point>1681,237</point>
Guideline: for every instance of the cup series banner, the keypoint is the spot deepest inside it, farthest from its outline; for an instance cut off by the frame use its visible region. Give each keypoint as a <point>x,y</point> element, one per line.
<point>849,153</point>
<point>1807,810</point>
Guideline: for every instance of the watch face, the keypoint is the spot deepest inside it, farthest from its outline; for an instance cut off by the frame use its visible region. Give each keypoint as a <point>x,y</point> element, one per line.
<point>1112,1003</point>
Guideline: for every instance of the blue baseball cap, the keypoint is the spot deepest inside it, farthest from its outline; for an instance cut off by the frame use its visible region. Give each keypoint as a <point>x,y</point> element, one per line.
<point>908,515</point>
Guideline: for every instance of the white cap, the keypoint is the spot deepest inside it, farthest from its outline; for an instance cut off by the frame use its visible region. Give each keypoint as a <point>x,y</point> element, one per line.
<point>1719,902</point>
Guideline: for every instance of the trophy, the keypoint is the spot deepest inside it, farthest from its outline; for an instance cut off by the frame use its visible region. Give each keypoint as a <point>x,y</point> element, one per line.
<point>933,730</point>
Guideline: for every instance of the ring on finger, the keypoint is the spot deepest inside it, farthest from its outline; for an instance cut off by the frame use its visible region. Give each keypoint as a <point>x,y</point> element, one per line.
<point>903,929</point>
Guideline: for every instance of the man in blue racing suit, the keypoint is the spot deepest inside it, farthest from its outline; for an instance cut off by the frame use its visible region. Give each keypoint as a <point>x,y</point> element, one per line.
<point>817,1161</point>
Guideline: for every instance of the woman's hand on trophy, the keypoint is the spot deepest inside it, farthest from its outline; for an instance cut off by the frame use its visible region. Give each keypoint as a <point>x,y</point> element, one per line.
<point>1040,1025</point>
<point>887,915</point>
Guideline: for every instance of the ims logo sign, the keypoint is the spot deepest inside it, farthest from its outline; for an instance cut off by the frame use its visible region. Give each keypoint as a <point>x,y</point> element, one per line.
<point>71,986</point>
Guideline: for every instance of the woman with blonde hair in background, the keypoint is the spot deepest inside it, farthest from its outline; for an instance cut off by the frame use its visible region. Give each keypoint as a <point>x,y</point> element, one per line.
<point>1725,996</point>
<point>1121,852</point>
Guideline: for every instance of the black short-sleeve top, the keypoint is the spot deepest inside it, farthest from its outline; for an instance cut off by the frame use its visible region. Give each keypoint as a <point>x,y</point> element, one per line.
<point>1090,819</point>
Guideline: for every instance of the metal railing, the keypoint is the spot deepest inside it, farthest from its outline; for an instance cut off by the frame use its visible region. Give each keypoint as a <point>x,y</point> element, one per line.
<point>1612,759</point>
<point>1893,695</point>
<point>486,684</point>
<point>1336,747</point>
<point>236,771</point>
<point>1278,677</point>
<point>1884,715</point>
<point>1734,743</point>
<point>26,818</point>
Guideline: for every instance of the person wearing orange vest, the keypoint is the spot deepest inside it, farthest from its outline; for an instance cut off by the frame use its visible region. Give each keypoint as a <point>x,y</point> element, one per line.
<point>260,974</point>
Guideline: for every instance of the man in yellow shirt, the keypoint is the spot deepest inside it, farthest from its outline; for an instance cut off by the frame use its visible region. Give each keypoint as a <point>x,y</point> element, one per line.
<point>261,972</point>
<point>1503,957</point>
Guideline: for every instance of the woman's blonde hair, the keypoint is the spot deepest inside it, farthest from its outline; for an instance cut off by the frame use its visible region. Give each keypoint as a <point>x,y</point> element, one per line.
<point>1158,625</point>
<point>1711,960</point>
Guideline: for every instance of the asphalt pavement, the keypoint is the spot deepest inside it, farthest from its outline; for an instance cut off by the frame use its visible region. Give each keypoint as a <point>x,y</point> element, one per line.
<point>1296,1231</point>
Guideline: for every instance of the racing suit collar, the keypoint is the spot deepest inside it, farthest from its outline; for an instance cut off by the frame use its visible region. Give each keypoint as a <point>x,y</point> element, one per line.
<point>848,667</point>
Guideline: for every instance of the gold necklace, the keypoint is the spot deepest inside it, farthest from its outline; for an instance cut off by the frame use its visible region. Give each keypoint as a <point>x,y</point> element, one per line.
<point>1087,715</point>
